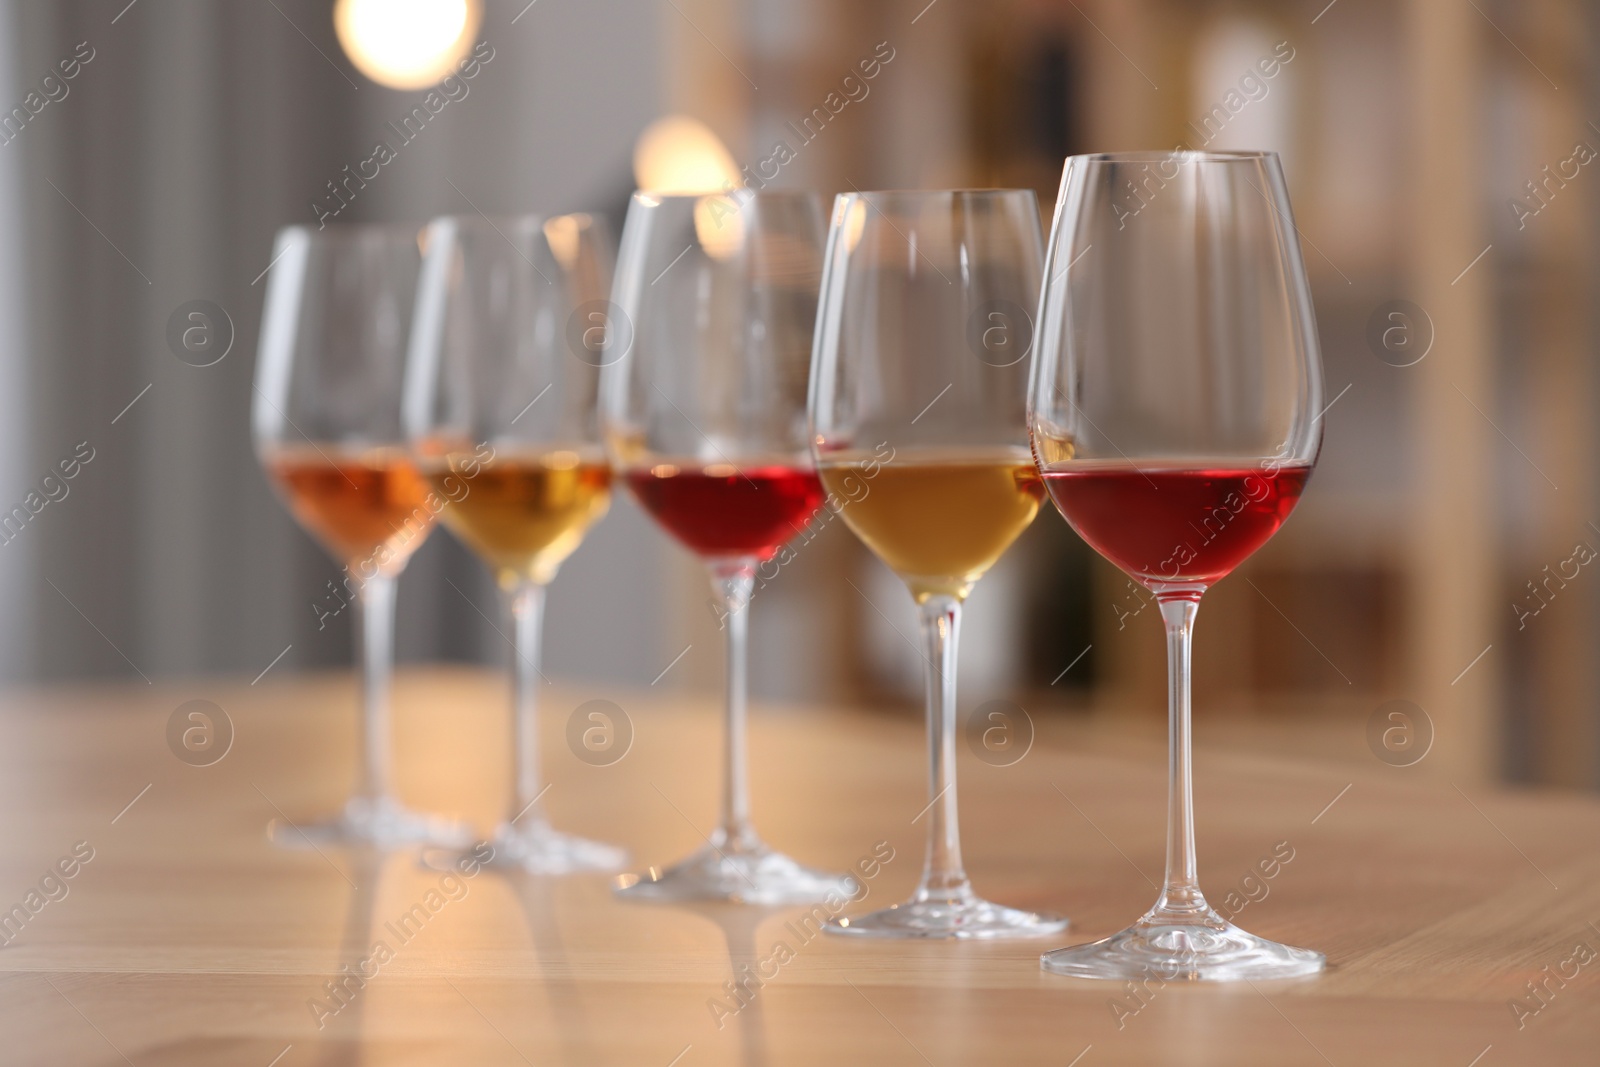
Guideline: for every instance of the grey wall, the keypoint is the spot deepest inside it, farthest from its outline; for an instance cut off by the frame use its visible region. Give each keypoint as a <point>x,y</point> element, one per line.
<point>196,130</point>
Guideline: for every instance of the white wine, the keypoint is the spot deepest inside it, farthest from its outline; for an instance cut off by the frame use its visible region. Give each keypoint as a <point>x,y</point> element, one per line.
<point>524,513</point>
<point>939,523</point>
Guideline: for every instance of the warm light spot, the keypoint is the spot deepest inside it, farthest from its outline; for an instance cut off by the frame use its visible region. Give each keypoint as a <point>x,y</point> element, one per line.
<point>719,226</point>
<point>563,234</point>
<point>406,44</point>
<point>721,470</point>
<point>561,461</point>
<point>679,154</point>
<point>664,470</point>
<point>431,447</point>
<point>855,223</point>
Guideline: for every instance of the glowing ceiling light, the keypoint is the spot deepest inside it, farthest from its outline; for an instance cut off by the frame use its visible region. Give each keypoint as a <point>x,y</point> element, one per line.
<point>406,44</point>
<point>679,154</point>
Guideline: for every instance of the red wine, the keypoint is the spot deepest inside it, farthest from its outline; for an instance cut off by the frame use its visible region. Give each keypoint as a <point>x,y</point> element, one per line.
<point>719,511</point>
<point>1176,525</point>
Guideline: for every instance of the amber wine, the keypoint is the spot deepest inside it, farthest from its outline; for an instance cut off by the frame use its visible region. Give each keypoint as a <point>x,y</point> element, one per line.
<point>524,513</point>
<point>939,520</point>
<point>364,506</point>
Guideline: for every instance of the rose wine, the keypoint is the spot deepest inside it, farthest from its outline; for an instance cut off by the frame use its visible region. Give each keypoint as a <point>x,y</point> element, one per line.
<point>1176,524</point>
<point>939,521</point>
<point>363,506</point>
<point>722,511</point>
<point>523,513</point>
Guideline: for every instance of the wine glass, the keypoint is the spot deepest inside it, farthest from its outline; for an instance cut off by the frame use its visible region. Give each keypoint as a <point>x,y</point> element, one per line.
<point>1175,409</point>
<point>703,399</point>
<point>326,421</point>
<point>500,411</point>
<point>917,412</point>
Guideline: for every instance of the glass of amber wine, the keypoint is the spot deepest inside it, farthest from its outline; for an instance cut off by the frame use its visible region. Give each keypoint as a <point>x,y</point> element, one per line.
<point>1176,414</point>
<point>703,398</point>
<point>326,421</point>
<point>500,412</point>
<point>917,408</point>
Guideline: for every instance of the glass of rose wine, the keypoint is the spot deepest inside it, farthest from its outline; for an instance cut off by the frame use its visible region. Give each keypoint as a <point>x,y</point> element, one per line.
<point>918,423</point>
<point>703,399</point>
<point>326,420</point>
<point>1175,409</point>
<point>500,410</point>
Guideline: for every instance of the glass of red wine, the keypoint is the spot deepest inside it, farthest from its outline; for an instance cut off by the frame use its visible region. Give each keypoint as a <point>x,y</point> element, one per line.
<point>1175,410</point>
<point>703,403</point>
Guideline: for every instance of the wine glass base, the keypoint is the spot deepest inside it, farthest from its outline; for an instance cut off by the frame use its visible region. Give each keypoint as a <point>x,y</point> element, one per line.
<point>747,874</point>
<point>966,917</point>
<point>1208,949</point>
<point>382,823</point>
<point>535,848</point>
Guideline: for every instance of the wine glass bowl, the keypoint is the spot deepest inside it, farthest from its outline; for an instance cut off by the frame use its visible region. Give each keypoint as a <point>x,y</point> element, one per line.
<point>500,411</point>
<point>326,425</point>
<point>703,398</point>
<point>917,417</point>
<point>1175,411</point>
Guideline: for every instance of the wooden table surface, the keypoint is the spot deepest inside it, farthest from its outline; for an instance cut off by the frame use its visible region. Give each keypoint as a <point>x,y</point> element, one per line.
<point>188,939</point>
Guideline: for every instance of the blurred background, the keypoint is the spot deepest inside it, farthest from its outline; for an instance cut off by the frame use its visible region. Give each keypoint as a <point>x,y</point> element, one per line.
<point>1439,154</point>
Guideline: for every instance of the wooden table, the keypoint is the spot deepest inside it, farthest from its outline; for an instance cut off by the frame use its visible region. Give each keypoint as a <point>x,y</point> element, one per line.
<point>188,939</point>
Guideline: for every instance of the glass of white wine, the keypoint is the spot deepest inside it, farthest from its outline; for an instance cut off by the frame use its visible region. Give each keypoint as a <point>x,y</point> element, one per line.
<point>919,381</point>
<point>500,412</point>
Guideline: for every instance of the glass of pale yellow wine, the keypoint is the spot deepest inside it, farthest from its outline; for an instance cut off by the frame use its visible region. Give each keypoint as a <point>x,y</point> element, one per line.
<point>500,412</point>
<point>918,401</point>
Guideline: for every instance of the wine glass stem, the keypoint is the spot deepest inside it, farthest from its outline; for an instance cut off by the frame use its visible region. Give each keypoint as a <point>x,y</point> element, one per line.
<point>943,877</point>
<point>375,618</point>
<point>732,583</point>
<point>1181,899</point>
<point>525,602</point>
